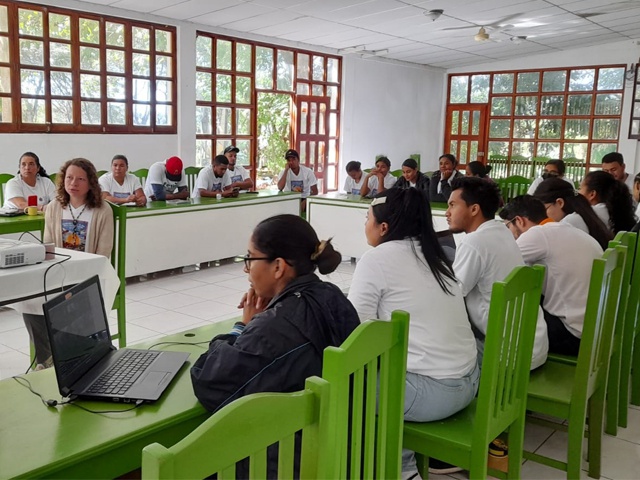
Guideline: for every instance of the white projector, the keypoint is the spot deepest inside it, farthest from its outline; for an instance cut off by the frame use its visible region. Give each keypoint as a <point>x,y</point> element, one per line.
<point>15,253</point>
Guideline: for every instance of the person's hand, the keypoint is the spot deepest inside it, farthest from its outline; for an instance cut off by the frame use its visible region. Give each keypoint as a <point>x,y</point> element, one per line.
<point>446,174</point>
<point>252,304</point>
<point>131,198</point>
<point>141,202</point>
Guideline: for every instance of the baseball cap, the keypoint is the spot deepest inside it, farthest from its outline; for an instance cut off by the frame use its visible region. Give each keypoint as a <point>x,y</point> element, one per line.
<point>292,153</point>
<point>231,148</point>
<point>173,166</point>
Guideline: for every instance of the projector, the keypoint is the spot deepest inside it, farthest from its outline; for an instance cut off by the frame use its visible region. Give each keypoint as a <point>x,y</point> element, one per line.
<point>15,253</point>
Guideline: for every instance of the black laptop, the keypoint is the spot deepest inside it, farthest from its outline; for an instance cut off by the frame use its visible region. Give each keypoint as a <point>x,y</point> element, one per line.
<point>448,243</point>
<point>87,364</point>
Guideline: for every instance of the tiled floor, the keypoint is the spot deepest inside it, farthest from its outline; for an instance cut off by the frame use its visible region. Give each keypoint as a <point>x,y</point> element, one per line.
<point>171,302</point>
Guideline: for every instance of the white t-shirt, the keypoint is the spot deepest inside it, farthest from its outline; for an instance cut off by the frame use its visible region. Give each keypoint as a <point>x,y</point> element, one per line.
<point>638,212</point>
<point>391,277</point>
<point>568,254</point>
<point>539,180</point>
<point>109,185</point>
<point>158,176</point>
<point>602,213</point>
<point>207,180</point>
<point>352,187</point>
<point>76,227</point>
<point>300,183</point>
<point>44,189</point>
<point>574,219</point>
<point>483,257</point>
<point>238,174</point>
<point>389,181</point>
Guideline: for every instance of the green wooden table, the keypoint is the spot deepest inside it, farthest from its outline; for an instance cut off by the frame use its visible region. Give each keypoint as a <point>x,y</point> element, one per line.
<point>66,442</point>
<point>22,223</point>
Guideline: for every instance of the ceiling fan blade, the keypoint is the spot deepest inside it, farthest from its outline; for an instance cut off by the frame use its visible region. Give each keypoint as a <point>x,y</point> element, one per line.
<point>503,21</point>
<point>460,28</point>
<point>501,28</point>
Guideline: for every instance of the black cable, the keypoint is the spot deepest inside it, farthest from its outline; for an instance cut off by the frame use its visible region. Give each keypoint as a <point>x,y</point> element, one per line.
<point>44,285</point>
<point>179,343</point>
<point>29,233</point>
<point>31,365</point>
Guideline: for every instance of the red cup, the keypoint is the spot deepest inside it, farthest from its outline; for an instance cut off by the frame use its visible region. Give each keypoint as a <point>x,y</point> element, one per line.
<point>32,201</point>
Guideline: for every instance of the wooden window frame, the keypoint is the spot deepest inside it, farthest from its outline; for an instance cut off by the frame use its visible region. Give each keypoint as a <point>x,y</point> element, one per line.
<point>635,102</point>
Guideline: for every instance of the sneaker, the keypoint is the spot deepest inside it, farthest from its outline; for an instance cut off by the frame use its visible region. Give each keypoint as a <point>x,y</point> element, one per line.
<point>498,455</point>
<point>48,363</point>
<point>411,475</point>
<point>438,467</point>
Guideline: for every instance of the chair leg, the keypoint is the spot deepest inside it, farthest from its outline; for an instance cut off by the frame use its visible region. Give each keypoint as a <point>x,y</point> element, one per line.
<point>613,395</point>
<point>574,445</point>
<point>635,372</point>
<point>423,465</point>
<point>516,447</point>
<point>596,420</point>
<point>625,381</point>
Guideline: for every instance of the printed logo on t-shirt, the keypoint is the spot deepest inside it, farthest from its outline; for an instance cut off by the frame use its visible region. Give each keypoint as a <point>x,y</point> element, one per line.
<point>355,191</point>
<point>236,178</point>
<point>216,187</point>
<point>170,187</point>
<point>374,192</point>
<point>121,194</point>
<point>74,236</point>
<point>297,185</point>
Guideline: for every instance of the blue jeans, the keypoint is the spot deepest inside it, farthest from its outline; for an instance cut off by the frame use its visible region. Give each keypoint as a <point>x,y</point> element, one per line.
<point>428,399</point>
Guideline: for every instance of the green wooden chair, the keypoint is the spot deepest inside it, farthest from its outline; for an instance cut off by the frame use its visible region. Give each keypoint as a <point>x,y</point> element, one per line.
<point>499,166</point>
<point>575,169</point>
<point>192,175</point>
<point>633,312</point>
<point>462,439</point>
<point>519,165</point>
<point>513,186</point>
<point>99,173</point>
<point>4,178</point>
<point>118,261</point>
<point>373,359</point>
<point>142,174</point>
<point>575,392</point>
<point>245,428</point>
<point>53,177</point>
<point>396,173</point>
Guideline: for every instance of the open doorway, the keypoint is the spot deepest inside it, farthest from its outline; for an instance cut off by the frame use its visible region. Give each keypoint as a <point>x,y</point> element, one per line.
<point>274,137</point>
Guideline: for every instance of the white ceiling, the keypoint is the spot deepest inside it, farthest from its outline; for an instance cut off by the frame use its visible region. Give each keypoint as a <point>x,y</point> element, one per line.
<point>401,28</point>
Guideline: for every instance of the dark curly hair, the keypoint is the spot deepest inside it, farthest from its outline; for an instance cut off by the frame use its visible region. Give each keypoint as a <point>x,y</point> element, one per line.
<point>94,195</point>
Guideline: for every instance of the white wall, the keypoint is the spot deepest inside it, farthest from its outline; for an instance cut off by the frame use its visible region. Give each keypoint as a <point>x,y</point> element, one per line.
<point>613,53</point>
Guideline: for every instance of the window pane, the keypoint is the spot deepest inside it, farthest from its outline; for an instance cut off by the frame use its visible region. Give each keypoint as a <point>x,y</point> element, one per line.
<point>333,124</point>
<point>503,83</point>
<point>599,150</point>
<point>475,123</point>
<point>89,59</point>
<point>163,66</point>
<point>455,122</point>
<point>203,120</point>
<point>243,121</point>
<point>479,88</point>
<point>5,81</point>
<point>59,26</point>
<point>303,66</point>
<point>581,80</point>
<point>332,93</point>
<point>4,22</point>
<point>528,82</point>
<point>579,105</point>
<point>89,31</point>
<point>203,86</point>
<point>635,126</point>
<point>608,104</point>
<point>245,150</point>
<point>164,115</point>
<point>203,152</point>
<point>203,52</point>
<point>223,54</point>
<point>221,144</point>
<point>116,113</point>
<point>554,81</point>
<point>89,86</point>
<point>576,129</point>
<point>30,23</point>
<point>501,106</point>
<point>459,89</point>
<point>140,38</point>
<point>498,148</point>
<point>551,150</point>
<point>60,55</point>
<point>164,41</point>
<point>141,90</point>
<point>524,128</point>
<point>317,91</point>
<point>464,123</point>
<point>32,82</point>
<point>32,110</point>
<point>141,64</point>
<point>31,52</point>
<point>223,121</point>
<point>611,79</point>
<point>302,88</point>
<point>6,115</point>
<point>61,84</point>
<point>318,68</point>
<point>223,88</point>
<point>552,105</point>
<point>115,61</point>
<point>163,90</point>
<point>462,156</point>
<point>332,70</point>
<point>141,115</point>
<point>549,129</point>
<point>606,129</point>
<point>243,90</point>
<point>500,129</point>
<point>243,57</point>
<point>61,111</point>
<point>284,73</point>
<point>4,49</point>
<point>522,148</point>
<point>115,88</point>
<point>575,150</point>
<point>115,34</point>
<point>526,105</point>
<point>264,67</point>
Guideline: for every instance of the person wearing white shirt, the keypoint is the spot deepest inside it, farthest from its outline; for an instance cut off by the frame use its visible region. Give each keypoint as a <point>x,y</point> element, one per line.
<point>378,179</point>
<point>553,168</point>
<point>238,175</point>
<point>355,178</point>
<point>485,255</point>
<point>119,186</point>
<point>635,191</point>
<point>297,178</point>
<point>408,270</point>
<point>610,199</point>
<point>167,181</point>
<point>31,181</point>
<point>213,180</point>
<point>567,254</point>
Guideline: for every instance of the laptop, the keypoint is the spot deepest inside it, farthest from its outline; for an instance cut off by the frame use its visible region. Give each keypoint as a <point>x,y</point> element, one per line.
<point>448,243</point>
<point>87,364</point>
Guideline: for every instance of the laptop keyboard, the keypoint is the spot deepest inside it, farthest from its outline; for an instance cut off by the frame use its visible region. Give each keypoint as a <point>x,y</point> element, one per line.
<point>119,378</point>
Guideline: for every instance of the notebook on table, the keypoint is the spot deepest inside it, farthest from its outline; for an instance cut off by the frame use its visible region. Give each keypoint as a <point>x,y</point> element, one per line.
<point>87,364</point>
<point>10,212</point>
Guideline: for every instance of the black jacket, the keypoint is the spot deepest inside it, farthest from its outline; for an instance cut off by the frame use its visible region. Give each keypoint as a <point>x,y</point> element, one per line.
<point>422,183</point>
<point>442,197</point>
<point>279,348</point>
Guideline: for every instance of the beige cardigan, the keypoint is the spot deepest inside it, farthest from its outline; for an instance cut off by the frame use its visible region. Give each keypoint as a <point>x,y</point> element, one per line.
<point>100,239</point>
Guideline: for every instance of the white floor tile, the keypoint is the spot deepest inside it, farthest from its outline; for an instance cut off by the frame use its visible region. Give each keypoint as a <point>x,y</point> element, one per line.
<point>17,339</point>
<point>237,283</point>
<point>142,291</point>
<point>536,471</point>
<point>535,436</point>
<point>137,310</point>
<point>165,322</point>
<point>9,320</point>
<point>214,292</point>
<point>212,276</point>
<point>13,363</point>
<point>175,283</point>
<point>209,309</point>
<point>137,334</point>
<point>172,301</point>
<point>632,432</point>
<point>620,459</point>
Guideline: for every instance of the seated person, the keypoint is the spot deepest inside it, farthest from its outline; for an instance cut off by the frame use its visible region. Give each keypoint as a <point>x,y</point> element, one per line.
<point>31,180</point>
<point>636,194</point>
<point>239,176</point>
<point>610,199</point>
<point>355,178</point>
<point>564,204</point>
<point>412,177</point>
<point>119,186</point>
<point>485,255</point>
<point>167,181</point>
<point>440,186</point>
<point>297,178</point>
<point>567,254</point>
<point>378,179</point>
<point>477,169</point>
<point>213,180</point>
<point>613,163</point>
<point>552,169</point>
<point>408,270</point>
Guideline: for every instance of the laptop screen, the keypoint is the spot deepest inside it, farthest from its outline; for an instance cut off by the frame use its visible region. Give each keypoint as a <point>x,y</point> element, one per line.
<point>78,331</point>
<point>448,243</point>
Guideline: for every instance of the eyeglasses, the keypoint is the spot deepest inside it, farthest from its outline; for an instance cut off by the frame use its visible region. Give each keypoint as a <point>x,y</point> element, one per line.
<point>549,205</point>
<point>506,224</point>
<point>247,260</point>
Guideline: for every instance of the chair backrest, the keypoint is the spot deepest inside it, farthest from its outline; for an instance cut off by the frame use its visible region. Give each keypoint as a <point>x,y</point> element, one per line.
<point>519,165</point>
<point>99,173</point>
<point>142,174</point>
<point>245,428</point>
<point>4,178</point>
<point>396,173</point>
<point>537,166</point>
<point>369,368</point>
<point>575,169</point>
<point>508,347</point>
<point>513,186</point>
<point>499,166</point>
<point>192,175</point>
<point>118,261</point>
<point>628,240</point>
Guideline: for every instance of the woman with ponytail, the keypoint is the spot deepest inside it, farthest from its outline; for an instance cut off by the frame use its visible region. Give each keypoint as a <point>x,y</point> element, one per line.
<point>610,199</point>
<point>31,180</point>
<point>408,270</point>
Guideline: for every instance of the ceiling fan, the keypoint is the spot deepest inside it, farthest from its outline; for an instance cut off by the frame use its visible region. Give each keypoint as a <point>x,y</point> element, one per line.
<point>485,30</point>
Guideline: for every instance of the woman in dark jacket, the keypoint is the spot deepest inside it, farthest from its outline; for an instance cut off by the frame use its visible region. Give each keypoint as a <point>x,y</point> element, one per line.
<point>440,187</point>
<point>412,177</point>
